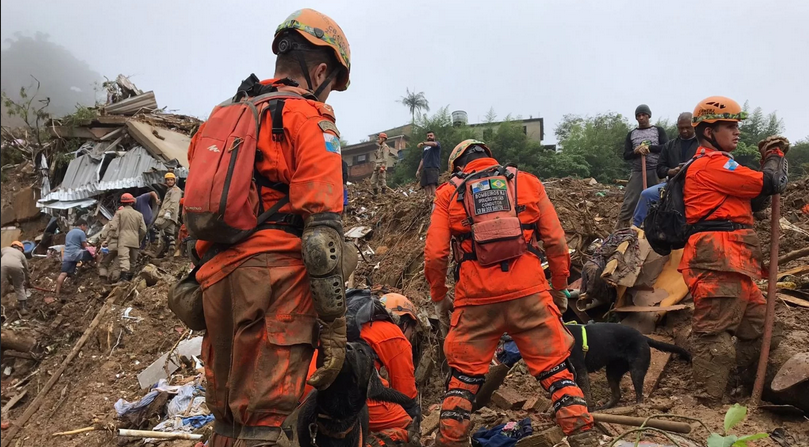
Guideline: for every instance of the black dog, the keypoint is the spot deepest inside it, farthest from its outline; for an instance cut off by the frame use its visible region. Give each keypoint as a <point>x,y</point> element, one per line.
<point>621,349</point>
<point>338,415</point>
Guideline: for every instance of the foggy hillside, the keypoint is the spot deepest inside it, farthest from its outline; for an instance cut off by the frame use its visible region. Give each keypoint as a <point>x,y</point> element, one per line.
<point>67,80</point>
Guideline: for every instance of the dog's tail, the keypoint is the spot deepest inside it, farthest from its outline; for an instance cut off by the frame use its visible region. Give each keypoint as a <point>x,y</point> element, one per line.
<point>667,347</point>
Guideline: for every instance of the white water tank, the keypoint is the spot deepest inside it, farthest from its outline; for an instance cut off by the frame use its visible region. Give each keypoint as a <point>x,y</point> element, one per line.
<point>459,118</point>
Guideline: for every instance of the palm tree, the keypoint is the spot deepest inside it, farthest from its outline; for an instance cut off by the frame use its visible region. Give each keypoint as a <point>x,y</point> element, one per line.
<point>415,101</point>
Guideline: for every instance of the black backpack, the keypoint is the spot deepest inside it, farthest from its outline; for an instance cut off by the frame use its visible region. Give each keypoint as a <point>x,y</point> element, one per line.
<point>665,225</point>
<point>362,307</point>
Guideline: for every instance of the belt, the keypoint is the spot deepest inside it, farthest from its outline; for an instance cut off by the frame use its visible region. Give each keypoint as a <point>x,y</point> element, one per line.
<point>718,225</point>
<point>291,223</point>
<point>238,431</point>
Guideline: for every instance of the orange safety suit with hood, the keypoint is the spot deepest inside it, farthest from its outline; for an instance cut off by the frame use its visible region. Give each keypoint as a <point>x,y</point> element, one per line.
<point>722,258</point>
<point>262,316</point>
<point>512,297</point>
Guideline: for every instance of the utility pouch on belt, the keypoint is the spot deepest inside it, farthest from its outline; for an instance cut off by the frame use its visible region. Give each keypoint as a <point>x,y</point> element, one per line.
<point>490,200</point>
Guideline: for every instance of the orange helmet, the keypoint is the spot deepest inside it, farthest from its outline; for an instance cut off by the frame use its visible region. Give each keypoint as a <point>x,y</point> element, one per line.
<point>18,244</point>
<point>319,29</point>
<point>399,305</point>
<point>127,198</point>
<point>462,147</point>
<point>717,108</point>
<point>383,135</point>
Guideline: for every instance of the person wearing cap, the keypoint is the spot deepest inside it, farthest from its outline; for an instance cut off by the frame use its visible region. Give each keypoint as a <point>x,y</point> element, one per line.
<point>722,259</point>
<point>643,143</point>
<point>501,297</point>
<point>122,238</point>
<point>14,268</point>
<point>168,217</point>
<point>266,301</point>
<point>379,176</point>
<point>75,252</point>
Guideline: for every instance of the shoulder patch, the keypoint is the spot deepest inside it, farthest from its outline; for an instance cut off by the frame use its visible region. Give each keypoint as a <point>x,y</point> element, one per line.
<point>332,143</point>
<point>326,125</point>
<point>731,165</point>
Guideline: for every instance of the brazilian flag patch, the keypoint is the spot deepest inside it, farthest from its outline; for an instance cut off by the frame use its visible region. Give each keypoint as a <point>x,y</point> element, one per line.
<point>498,184</point>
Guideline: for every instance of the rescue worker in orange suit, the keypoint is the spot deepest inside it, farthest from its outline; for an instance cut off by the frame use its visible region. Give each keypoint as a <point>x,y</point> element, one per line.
<point>505,297</point>
<point>266,297</point>
<point>403,312</point>
<point>722,258</point>
<point>368,320</point>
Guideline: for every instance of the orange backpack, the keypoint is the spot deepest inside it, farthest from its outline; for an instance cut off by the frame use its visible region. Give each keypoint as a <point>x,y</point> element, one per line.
<point>490,201</point>
<point>223,190</point>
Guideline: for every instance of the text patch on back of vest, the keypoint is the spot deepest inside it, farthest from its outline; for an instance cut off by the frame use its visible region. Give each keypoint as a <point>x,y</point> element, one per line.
<point>490,200</point>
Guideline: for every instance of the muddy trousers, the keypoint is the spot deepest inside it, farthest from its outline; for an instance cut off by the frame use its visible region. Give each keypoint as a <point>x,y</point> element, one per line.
<point>260,339</point>
<point>168,232</point>
<point>726,304</point>
<point>379,178</point>
<point>13,276</point>
<point>475,331</point>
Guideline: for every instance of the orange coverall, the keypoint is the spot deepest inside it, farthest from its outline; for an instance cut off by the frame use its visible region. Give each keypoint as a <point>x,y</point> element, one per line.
<point>720,267</point>
<point>489,302</point>
<point>261,321</point>
<point>395,354</point>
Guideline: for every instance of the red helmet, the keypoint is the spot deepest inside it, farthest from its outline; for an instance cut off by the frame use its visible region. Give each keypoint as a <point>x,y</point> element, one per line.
<point>127,198</point>
<point>383,135</point>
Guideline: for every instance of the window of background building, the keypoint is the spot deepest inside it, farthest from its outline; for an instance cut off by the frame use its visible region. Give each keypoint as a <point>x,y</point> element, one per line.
<point>359,159</point>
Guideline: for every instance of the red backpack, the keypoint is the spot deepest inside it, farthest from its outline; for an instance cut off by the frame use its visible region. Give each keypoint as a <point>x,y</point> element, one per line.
<point>223,190</point>
<point>490,201</point>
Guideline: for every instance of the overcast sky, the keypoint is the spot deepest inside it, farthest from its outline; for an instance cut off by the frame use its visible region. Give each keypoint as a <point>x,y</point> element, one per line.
<point>531,58</point>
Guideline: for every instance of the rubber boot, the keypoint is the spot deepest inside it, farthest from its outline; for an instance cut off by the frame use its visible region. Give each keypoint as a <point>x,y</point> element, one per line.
<point>126,276</point>
<point>588,438</point>
<point>22,307</point>
<point>376,191</point>
<point>713,359</point>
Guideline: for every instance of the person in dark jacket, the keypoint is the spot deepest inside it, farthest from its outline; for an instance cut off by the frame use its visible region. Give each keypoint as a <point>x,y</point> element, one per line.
<point>643,143</point>
<point>674,154</point>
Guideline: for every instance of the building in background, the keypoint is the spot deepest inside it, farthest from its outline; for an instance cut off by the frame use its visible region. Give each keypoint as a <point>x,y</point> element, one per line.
<point>360,156</point>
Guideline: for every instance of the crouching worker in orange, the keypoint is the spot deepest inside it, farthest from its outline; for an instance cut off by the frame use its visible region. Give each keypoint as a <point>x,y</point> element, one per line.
<point>271,296</point>
<point>368,320</point>
<point>497,289</point>
<point>722,259</point>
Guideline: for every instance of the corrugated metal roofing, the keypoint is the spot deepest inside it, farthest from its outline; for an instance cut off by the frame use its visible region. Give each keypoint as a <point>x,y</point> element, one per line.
<point>79,182</point>
<point>82,177</point>
<point>127,171</point>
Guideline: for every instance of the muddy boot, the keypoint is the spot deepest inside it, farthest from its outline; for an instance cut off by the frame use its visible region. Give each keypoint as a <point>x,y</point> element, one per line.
<point>714,357</point>
<point>588,438</point>
<point>125,276</point>
<point>376,191</point>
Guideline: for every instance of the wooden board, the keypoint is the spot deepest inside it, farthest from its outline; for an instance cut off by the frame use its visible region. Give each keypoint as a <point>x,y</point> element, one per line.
<point>794,300</point>
<point>165,145</point>
<point>651,308</point>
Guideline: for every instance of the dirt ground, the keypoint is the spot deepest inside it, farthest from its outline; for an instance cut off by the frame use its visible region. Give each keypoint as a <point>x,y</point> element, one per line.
<point>120,348</point>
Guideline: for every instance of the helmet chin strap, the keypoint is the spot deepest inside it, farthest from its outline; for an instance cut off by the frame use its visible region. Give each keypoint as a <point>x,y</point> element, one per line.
<point>305,70</point>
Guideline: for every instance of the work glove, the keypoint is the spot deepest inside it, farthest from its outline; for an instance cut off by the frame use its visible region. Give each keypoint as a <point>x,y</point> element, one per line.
<point>333,341</point>
<point>167,216</point>
<point>642,149</point>
<point>444,310</point>
<point>560,299</point>
<point>772,143</point>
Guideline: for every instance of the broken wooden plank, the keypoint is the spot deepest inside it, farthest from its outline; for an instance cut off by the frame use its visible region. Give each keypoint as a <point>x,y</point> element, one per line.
<point>656,367</point>
<point>13,401</point>
<point>546,438</point>
<point>133,105</point>
<point>800,270</point>
<point>794,300</point>
<point>651,308</point>
<point>167,145</point>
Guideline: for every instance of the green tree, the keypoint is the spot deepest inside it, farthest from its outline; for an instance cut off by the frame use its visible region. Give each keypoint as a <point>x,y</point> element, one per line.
<point>799,158</point>
<point>669,126</point>
<point>415,102</point>
<point>598,141</point>
<point>755,128</point>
